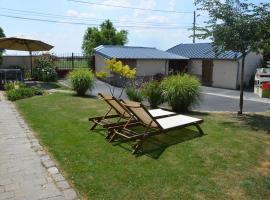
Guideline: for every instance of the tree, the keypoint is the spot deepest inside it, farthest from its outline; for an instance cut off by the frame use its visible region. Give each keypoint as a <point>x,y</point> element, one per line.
<point>264,44</point>
<point>1,51</point>
<point>106,34</point>
<point>125,73</point>
<point>233,25</point>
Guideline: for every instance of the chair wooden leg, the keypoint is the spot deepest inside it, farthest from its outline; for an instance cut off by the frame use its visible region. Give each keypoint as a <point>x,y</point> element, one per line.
<point>113,136</point>
<point>199,129</point>
<point>109,135</point>
<point>94,126</point>
<point>137,146</point>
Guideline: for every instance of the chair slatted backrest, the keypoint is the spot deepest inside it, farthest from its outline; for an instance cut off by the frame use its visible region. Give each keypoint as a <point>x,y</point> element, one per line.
<point>115,104</point>
<point>141,113</point>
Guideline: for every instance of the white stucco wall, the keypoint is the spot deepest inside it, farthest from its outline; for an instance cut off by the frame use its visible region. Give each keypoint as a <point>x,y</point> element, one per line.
<point>100,64</point>
<point>252,62</point>
<point>21,61</point>
<point>144,67</point>
<point>225,74</point>
<point>151,67</point>
<point>195,67</point>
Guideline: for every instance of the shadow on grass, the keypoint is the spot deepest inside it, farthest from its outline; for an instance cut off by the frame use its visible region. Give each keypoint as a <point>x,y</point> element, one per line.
<point>154,146</point>
<point>253,121</point>
<point>257,187</point>
<point>87,96</point>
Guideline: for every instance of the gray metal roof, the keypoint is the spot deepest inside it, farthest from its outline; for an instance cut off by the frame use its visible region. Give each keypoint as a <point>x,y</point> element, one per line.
<point>202,51</point>
<point>128,52</point>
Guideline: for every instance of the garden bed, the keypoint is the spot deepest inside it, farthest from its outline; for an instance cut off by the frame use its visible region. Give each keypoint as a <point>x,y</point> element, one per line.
<point>226,163</point>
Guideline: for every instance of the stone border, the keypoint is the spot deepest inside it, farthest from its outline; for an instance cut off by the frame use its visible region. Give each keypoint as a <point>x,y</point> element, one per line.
<point>46,160</point>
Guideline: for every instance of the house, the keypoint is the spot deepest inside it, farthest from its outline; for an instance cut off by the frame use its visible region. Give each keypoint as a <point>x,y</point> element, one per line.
<point>147,61</point>
<point>217,69</point>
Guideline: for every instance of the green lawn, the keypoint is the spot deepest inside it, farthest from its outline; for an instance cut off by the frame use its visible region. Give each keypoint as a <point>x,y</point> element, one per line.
<point>229,162</point>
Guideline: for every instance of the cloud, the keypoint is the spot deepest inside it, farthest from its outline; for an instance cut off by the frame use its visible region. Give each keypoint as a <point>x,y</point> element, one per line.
<point>74,13</point>
<point>111,2</point>
<point>146,4</point>
<point>172,5</point>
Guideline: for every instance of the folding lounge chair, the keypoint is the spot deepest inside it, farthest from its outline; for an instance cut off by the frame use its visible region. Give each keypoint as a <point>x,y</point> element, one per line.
<point>122,116</point>
<point>153,125</point>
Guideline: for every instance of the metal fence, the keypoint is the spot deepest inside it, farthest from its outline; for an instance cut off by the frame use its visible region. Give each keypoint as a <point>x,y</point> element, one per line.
<point>72,61</point>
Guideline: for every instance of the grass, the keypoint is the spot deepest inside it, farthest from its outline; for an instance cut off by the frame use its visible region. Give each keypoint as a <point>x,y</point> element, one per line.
<point>226,163</point>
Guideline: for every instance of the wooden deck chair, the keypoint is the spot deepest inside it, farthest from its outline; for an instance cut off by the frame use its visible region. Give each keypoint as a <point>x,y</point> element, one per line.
<point>122,115</point>
<point>120,112</point>
<point>153,125</point>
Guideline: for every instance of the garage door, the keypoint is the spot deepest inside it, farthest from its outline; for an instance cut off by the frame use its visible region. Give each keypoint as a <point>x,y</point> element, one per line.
<point>207,72</point>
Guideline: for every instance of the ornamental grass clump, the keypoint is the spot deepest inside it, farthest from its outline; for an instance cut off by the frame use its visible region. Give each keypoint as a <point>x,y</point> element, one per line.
<point>153,92</point>
<point>134,94</point>
<point>82,80</point>
<point>181,91</point>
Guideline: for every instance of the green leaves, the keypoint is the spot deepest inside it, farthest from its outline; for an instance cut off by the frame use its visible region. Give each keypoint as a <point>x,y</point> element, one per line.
<point>233,25</point>
<point>105,35</point>
<point>181,91</point>
<point>153,93</point>
<point>82,80</point>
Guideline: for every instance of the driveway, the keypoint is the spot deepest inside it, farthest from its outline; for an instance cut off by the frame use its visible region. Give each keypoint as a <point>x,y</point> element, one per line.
<point>213,99</point>
<point>217,99</point>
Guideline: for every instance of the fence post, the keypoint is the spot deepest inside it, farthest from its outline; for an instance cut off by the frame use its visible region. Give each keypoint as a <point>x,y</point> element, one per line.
<point>72,60</point>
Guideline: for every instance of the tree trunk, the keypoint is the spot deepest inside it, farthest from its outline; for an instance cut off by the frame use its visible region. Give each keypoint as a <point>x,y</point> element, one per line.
<point>242,85</point>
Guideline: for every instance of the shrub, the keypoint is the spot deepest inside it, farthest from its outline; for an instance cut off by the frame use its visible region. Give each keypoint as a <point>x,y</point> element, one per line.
<point>134,94</point>
<point>181,91</point>
<point>24,92</point>
<point>37,90</point>
<point>158,77</point>
<point>44,68</point>
<point>153,93</point>
<point>14,85</point>
<point>82,80</point>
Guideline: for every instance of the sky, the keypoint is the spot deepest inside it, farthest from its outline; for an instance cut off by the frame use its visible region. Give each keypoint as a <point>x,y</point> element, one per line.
<point>67,38</point>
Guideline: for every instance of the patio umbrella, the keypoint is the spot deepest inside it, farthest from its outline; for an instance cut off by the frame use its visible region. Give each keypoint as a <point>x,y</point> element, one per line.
<point>22,44</point>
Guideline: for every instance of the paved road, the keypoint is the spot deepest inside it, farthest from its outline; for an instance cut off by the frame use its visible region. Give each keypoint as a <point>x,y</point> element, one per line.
<point>217,99</point>
<point>213,99</point>
<point>23,175</point>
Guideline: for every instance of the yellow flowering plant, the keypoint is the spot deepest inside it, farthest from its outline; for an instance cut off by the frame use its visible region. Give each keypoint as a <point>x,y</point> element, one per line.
<point>125,73</point>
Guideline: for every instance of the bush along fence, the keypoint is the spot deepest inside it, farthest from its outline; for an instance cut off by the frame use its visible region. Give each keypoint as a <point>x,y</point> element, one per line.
<point>67,62</point>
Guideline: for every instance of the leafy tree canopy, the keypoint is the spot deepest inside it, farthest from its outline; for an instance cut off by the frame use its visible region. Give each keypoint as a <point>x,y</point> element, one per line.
<point>233,25</point>
<point>2,32</point>
<point>264,43</point>
<point>1,35</point>
<point>106,34</point>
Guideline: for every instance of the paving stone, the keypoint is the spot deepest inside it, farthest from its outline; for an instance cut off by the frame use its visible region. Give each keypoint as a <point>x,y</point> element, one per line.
<point>45,157</point>
<point>48,163</point>
<point>6,195</point>
<point>58,177</point>
<point>63,185</point>
<point>53,170</point>
<point>22,174</point>
<point>70,194</point>
<point>2,188</point>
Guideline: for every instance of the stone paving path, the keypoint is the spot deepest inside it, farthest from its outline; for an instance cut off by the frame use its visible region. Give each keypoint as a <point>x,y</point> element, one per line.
<point>26,171</point>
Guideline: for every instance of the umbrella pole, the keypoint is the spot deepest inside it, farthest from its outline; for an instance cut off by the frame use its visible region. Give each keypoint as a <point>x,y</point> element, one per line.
<point>31,63</point>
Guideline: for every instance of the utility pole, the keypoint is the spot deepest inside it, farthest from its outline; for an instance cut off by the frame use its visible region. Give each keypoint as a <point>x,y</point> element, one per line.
<point>194,26</point>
